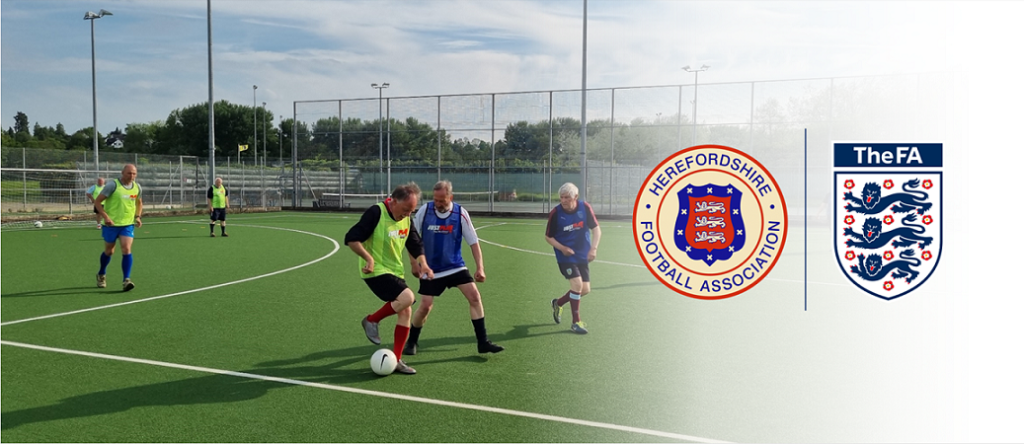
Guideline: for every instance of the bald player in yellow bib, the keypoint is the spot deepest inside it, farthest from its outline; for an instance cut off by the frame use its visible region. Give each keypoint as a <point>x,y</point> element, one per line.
<point>120,206</point>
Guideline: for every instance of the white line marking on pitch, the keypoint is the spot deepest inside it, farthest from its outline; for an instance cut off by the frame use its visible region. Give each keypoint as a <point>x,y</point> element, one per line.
<point>439,402</point>
<point>102,307</point>
<point>628,265</point>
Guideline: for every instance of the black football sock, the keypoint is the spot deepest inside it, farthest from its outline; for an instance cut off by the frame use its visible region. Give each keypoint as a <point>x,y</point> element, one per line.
<point>480,330</point>
<point>414,335</point>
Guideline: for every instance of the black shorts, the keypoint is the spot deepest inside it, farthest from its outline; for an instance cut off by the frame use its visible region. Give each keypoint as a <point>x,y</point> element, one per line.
<point>434,287</point>
<point>219,214</point>
<point>386,287</point>
<point>575,270</point>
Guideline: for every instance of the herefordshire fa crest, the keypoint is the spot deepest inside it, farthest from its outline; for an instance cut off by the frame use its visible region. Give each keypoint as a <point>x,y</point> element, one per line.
<point>710,222</point>
<point>888,214</point>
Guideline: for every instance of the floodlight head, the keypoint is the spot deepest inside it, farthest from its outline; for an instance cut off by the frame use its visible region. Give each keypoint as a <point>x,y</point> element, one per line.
<point>385,85</point>
<point>254,87</point>
<point>91,15</point>
<point>686,68</point>
<point>373,85</point>
<point>104,12</point>
<point>705,67</point>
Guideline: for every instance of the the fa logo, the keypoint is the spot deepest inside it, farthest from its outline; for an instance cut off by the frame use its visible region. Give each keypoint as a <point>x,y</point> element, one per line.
<point>710,222</point>
<point>887,203</point>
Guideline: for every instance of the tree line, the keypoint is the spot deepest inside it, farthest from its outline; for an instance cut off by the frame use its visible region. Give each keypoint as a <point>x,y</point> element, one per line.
<point>641,141</point>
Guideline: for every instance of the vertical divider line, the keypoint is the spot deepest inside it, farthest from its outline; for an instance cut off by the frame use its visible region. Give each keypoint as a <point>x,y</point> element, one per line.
<point>805,219</point>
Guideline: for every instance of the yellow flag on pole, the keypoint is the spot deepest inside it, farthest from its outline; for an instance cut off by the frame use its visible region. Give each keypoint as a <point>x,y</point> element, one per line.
<point>242,148</point>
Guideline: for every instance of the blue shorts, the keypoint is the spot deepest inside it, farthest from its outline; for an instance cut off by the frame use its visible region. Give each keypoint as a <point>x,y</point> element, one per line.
<point>110,234</point>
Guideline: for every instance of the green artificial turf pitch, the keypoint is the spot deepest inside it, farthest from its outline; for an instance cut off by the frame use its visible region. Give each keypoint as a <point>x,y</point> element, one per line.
<point>291,309</point>
<point>256,338</point>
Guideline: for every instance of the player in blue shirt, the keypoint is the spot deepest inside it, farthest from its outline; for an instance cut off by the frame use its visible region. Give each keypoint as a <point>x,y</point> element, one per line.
<point>443,225</point>
<point>569,231</point>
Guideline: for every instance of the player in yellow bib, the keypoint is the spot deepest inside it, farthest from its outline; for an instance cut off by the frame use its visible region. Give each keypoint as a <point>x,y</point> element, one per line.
<point>120,206</point>
<point>378,239</point>
<point>92,193</point>
<point>217,203</point>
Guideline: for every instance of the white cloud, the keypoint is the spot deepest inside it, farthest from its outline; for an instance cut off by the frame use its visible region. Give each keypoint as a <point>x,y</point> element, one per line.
<point>155,52</point>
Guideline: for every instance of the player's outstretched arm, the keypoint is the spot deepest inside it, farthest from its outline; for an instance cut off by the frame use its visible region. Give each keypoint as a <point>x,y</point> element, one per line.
<point>595,238</point>
<point>415,266</point>
<point>425,269</point>
<point>478,257</point>
<point>359,250</point>
<point>98,205</point>
<point>138,210</point>
<point>558,246</point>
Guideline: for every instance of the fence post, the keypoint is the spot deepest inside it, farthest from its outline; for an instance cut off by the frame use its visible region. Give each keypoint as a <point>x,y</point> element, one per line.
<point>490,186</point>
<point>611,160</point>
<point>438,138</point>
<point>71,199</point>
<point>24,180</point>
<point>551,148</point>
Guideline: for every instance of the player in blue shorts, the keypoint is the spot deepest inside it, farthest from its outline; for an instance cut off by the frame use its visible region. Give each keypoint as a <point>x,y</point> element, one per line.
<point>120,206</point>
<point>443,225</point>
<point>569,231</point>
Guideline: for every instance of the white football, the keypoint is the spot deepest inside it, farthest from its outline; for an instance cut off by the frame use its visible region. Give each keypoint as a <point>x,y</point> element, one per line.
<point>38,224</point>
<point>383,362</point>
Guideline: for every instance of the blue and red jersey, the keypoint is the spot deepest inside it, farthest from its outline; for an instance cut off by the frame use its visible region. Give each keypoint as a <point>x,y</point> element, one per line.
<point>442,238</point>
<point>572,229</point>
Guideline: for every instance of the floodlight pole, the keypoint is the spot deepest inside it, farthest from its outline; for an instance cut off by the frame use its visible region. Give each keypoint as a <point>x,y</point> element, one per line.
<point>380,127</point>
<point>209,77</point>
<point>693,139</point>
<point>263,199</point>
<point>255,145</point>
<point>264,133</point>
<point>91,17</point>
<point>583,113</point>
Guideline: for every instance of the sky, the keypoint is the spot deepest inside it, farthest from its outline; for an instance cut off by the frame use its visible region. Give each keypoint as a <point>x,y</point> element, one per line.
<point>151,58</point>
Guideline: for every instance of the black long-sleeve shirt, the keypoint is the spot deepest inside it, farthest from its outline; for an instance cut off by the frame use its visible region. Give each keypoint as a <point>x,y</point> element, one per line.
<point>363,229</point>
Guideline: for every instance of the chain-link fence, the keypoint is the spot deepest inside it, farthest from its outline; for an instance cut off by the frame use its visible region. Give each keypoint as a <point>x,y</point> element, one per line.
<point>509,152</point>
<point>41,181</point>
<point>518,148</point>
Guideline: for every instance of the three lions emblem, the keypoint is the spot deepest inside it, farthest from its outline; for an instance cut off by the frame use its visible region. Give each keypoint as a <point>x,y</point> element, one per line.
<point>887,214</point>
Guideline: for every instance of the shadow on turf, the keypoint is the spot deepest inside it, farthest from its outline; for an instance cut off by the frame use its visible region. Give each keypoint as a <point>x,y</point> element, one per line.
<point>630,285</point>
<point>341,367</point>
<point>211,389</point>
<point>62,291</point>
<point>144,237</point>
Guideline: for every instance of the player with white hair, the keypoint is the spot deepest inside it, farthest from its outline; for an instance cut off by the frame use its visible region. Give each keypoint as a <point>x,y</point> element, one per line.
<point>569,229</point>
